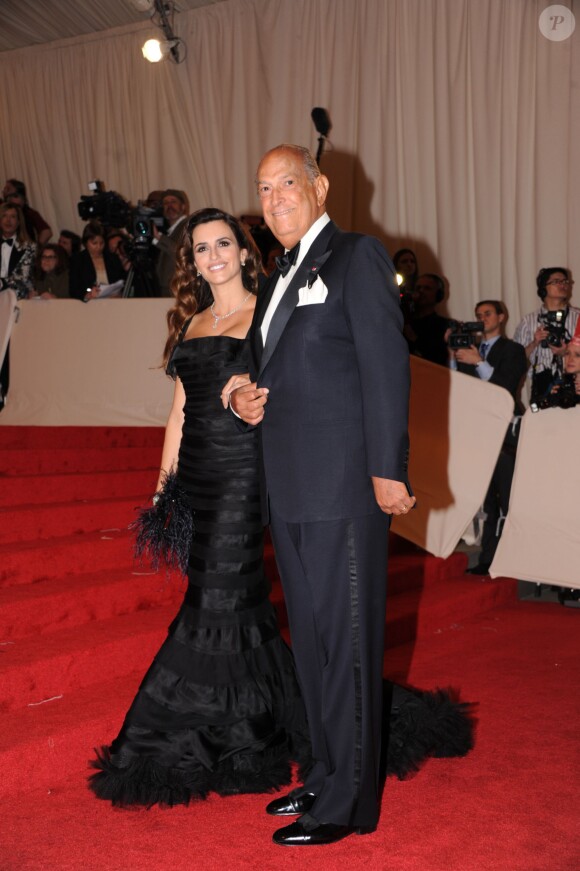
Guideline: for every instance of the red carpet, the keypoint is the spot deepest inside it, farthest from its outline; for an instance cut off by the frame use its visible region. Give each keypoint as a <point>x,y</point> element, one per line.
<point>80,623</point>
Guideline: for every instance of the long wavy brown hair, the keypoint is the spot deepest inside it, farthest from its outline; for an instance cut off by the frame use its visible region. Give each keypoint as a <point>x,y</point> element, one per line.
<point>192,293</point>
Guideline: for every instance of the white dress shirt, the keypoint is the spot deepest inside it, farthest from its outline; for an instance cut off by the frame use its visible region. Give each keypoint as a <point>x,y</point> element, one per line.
<point>284,280</point>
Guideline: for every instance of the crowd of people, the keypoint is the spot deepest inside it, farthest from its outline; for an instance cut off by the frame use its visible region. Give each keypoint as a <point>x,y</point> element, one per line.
<point>544,351</point>
<point>85,266</point>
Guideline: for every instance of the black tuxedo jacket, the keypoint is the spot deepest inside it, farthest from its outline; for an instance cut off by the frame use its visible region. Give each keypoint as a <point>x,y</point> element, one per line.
<point>338,376</point>
<point>509,363</point>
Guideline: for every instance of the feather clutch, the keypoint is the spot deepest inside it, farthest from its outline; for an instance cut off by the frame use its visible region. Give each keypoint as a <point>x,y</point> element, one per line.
<point>163,532</point>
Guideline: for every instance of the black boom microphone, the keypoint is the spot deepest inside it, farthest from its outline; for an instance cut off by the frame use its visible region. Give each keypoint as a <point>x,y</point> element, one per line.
<point>322,124</point>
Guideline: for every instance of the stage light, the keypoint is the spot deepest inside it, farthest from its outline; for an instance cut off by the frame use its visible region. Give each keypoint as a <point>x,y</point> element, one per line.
<point>155,50</point>
<point>162,13</point>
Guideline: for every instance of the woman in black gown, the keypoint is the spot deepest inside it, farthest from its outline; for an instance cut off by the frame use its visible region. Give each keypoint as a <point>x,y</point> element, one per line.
<point>219,709</point>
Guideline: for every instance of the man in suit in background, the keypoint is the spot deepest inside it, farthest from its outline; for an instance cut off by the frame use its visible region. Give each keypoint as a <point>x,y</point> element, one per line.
<point>175,210</point>
<point>330,385</point>
<point>503,362</point>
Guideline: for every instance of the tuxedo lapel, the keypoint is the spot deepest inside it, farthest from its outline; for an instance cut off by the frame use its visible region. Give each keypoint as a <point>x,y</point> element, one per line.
<point>310,265</point>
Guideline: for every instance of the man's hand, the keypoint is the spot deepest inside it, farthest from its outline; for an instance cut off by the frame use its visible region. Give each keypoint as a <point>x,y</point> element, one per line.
<point>392,496</point>
<point>232,384</point>
<point>248,402</point>
<point>468,355</point>
<point>540,334</point>
<point>558,351</point>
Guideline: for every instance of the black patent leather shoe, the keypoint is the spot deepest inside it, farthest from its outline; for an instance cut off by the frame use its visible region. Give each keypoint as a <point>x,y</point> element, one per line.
<point>479,569</point>
<point>290,805</point>
<point>299,834</point>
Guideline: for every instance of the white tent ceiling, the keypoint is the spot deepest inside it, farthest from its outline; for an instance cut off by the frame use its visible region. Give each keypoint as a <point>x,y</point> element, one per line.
<point>32,22</point>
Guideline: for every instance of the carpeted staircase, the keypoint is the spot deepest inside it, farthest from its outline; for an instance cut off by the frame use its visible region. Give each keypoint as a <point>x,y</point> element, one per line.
<point>80,621</point>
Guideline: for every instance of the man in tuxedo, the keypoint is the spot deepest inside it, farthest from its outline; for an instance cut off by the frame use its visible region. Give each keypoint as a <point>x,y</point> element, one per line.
<point>503,362</point>
<point>16,261</point>
<point>330,383</point>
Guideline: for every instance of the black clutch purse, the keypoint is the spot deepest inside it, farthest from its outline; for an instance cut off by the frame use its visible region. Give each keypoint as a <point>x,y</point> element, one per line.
<point>163,531</point>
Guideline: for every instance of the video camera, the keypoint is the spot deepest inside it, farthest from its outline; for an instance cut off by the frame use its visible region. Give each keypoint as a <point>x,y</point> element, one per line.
<point>112,210</point>
<point>463,333</point>
<point>562,394</point>
<point>555,323</point>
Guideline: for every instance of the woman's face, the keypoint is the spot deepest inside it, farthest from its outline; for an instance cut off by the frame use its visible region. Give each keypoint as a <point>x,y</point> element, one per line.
<point>95,246</point>
<point>216,253</point>
<point>572,358</point>
<point>407,265</point>
<point>48,260</point>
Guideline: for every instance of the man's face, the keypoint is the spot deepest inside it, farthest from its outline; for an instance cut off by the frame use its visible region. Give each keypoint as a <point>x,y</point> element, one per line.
<point>291,203</point>
<point>425,293</point>
<point>558,288</point>
<point>65,243</point>
<point>492,321</point>
<point>9,223</point>
<point>173,208</point>
<point>7,190</point>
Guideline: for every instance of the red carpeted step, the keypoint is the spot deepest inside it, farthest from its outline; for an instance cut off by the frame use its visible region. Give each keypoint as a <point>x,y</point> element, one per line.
<point>16,462</point>
<point>60,603</point>
<point>43,742</point>
<point>37,489</point>
<point>31,562</point>
<point>37,668</point>
<point>44,521</point>
<point>39,437</point>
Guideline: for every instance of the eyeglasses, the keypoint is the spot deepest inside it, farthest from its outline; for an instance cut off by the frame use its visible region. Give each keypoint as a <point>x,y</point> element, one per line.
<point>559,281</point>
<point>48,257</point>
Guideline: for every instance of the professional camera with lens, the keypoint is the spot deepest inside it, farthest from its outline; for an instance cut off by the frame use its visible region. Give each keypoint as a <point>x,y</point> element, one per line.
<point>561,395</point>
<point>112,210</point>
<point>463,333</point>
<point>555,323</point>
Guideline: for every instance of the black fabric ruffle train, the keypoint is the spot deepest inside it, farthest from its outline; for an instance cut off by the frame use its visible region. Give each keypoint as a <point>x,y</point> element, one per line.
<point>419,725</point>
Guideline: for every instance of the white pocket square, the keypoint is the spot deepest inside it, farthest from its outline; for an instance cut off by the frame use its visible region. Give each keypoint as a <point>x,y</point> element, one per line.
<point>312,295</point>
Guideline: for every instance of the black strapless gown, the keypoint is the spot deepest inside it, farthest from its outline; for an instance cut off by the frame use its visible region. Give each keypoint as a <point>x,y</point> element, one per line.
<point>219,709</point>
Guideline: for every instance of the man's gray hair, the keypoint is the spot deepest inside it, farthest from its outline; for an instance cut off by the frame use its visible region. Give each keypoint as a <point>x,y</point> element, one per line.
<point>304,154</point>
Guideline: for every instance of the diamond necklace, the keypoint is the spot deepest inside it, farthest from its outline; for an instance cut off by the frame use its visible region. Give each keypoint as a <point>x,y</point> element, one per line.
<point>217,318</point>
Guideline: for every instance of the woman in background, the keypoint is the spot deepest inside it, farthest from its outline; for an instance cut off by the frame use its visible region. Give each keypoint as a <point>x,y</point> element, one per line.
<point>51,273</point>
<point>95,266</point>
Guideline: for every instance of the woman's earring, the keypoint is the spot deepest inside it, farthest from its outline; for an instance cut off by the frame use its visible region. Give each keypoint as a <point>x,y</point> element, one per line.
<point>197,272</point>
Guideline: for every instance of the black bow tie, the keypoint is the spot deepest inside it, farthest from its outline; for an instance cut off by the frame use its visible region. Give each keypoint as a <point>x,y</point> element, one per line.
<point>9,242</point>
<point>285,261</point>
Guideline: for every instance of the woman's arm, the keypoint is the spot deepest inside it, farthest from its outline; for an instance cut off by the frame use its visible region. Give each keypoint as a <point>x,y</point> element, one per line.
<point>173,430</point>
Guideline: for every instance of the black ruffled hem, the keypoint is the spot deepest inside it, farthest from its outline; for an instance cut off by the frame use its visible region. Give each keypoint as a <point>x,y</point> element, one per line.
<point>145,782</point>
<point>425,724</point>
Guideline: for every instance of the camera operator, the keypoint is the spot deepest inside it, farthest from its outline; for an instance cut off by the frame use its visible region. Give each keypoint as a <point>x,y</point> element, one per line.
<point>175,211</point>
<point>544,332</point>
<point>503,362</point>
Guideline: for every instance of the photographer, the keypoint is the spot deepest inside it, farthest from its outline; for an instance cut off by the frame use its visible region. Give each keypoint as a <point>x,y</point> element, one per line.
<point>502,362</point>
<point>175,210</point>
<point>544,332</point>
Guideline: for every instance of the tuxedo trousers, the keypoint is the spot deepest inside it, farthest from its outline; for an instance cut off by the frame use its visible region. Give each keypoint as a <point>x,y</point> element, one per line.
<point>334,576</point>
